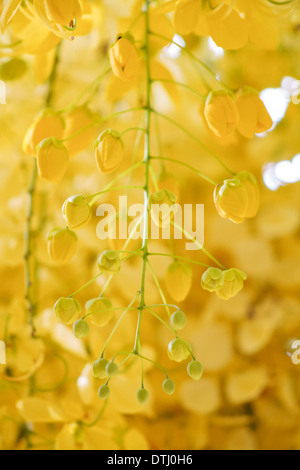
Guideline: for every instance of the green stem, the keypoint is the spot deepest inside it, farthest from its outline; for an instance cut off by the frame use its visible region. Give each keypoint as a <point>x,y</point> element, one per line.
<point>181,258</point>
<point>133,129</point>
<point>146,189</point>
<point>117,188</point>
<point>155,363</point>
<point>159,288</point>
<point>174,82</point>
<point>93,423</point>
<point>118,323</point>
<point>187,166</point>
<point>99,121</point>
<point>85,285</point>
<point>28,245</point>
<point>197,244</point>
<point>192,136</point>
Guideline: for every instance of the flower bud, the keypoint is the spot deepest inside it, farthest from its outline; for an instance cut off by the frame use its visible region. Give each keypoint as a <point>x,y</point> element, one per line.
<point>195,370</point>
<point>221,113</point>
<point>177,350</point>
<point>250,184</point>
<point>162,207</point>
<point>168,387</point>
<point>124,58</point>
<point>67,310</point>
<point>81,329</point>
<point>212,279</point>
<point>52,159</point>
<point>111,369</point>
<point>231,200</point>
<point>77,212</point>
<point>142,396</point>
<point>78,119</point>
<point>178,320</point>
<point>233,283</point>
<point>109,262</point>
<point>47,124</point>
<point>99,311</point>
<point>99,368</point>
<point>63,12</point>
<point>178,279</point>
<point>109,151</point>
<point>103,392</point>
<point>62,245</point>
<point>254,117</point>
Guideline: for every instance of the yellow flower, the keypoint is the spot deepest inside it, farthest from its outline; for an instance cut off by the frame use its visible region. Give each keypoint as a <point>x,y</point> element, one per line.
<point>212,279</point>
<point>109,262</point>
<point>221,113</point>
<point>62,245</point>
<point>254,117</point>
<point>63,12</point>
<point>67,310</point>
<point>77,212</point>
<point>52,159</point>
<point>109,151</point>
<point>233,283</point>
<point>178,279</point>
<point>99,311</point>
<point>124,58</point>
<point>231,200</point>
<point>250,184</point>
<point>47,124</point>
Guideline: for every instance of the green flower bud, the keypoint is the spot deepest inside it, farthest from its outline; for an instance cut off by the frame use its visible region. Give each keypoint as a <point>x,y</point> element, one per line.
<point>109,262</point>
<point>111,369</point>
<point>177,350</point>
<point>233,283</point>
<point>178,320</point>
<point>212,279</point>
<point>142,396</point>
<point>67,310</point>
<point>99,368</point>
<point>103,392</point>
<point>169,387</point>
<point>195,370</point>
<point>81,329</point>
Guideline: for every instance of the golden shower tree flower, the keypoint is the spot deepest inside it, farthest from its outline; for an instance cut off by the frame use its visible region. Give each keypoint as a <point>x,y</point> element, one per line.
<point>52,159</point>
<point>67,310</point>
<point>231,200</point>
<point>212,279</point>
<point>109,151</point>
<point>59,17</point>
<point>221,113</point>
<point>46,124</point>
<point>250,184</point>
<point>62,245</point>
<point>77,212</point>
<point>109,262</point>
<point>178,279</point>
<point>124,58</point>
<point>254,117</point>
<point>233,283</point>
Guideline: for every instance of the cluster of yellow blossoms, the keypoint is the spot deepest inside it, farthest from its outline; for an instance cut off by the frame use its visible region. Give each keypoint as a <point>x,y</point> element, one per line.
<point>160,131</point>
